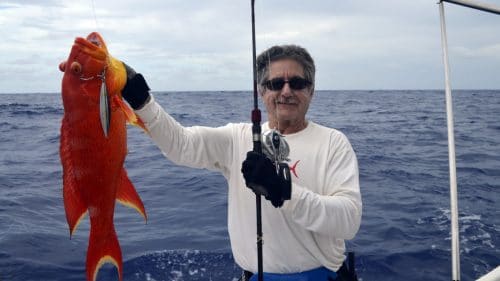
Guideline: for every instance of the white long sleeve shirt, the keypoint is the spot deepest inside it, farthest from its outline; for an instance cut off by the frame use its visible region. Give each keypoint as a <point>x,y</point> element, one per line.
<point>309,230</point>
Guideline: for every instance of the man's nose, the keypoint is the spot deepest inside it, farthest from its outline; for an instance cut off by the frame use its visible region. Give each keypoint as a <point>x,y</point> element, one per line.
<point>286,91</point>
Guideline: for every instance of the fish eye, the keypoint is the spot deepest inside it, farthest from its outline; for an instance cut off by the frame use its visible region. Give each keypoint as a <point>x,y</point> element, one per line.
<point>76,67</point>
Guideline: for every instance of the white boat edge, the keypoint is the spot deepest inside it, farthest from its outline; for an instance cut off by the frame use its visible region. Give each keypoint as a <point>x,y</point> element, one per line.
<point>493,275</point>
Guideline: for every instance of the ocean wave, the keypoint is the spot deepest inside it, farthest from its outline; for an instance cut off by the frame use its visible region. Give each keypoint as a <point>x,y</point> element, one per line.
<point>181,265</point>
<point>401,144</point>
<point>21,109</point>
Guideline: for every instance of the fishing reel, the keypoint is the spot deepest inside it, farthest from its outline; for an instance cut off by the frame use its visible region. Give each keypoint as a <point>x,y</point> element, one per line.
<point>275,147</point>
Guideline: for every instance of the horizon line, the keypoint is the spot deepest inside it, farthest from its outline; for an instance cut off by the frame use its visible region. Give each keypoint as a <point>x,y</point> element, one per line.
<point>321,90</point>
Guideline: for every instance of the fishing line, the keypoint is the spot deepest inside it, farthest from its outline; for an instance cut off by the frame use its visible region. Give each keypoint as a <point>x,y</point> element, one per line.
<point>268,72</point>
<point>94,13</point>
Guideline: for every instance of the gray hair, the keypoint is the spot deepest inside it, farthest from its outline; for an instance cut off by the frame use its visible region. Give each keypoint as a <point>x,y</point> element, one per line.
<point>275,53</point>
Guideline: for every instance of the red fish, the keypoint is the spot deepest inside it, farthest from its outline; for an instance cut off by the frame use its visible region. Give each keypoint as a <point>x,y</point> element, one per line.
<point>93,147</point>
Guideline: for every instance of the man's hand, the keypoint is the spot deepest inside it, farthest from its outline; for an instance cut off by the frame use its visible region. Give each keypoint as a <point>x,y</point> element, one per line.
<point>136,90</point>
<point>261,176</point>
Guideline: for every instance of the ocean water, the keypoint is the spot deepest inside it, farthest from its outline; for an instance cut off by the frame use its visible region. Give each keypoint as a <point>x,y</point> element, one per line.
<point>400,138</point>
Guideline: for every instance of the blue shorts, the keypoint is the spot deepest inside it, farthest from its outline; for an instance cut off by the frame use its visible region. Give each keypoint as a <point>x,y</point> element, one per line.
<point>318,274</point>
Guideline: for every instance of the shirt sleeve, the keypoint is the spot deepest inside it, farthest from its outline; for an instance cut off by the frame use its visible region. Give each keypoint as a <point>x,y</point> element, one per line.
<point>197,146</point>
<point>338,213</point>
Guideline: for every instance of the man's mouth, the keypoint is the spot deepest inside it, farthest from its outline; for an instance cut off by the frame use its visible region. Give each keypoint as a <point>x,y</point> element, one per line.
<point>285,103</point>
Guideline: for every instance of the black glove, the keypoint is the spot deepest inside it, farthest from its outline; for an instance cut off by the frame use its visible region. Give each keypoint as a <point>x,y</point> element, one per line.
<point>260,176</point>
<point>136,90</point>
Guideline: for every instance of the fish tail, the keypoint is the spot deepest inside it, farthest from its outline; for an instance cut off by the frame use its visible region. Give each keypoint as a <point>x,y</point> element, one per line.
<point>103,248</point>
<point>127,195</point>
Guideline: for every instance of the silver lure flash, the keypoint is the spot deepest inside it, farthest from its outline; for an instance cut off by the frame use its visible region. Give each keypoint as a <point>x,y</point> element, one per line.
<point>104,110</point>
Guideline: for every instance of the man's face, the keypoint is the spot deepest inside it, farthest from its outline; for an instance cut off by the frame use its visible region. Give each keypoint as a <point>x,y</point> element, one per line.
<point>286,106</point>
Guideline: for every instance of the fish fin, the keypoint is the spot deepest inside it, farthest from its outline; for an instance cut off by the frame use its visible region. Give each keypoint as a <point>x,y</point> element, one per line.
<point>127,195</point>
<point>103,248</point>
<point>130,115</point>
<point>74,204</point>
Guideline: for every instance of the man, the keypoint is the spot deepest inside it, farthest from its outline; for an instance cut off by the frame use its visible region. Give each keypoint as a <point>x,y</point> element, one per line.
<point>304,236</point>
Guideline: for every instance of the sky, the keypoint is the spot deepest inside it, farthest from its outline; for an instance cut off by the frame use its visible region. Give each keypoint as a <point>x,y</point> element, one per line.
<point>196,45</point>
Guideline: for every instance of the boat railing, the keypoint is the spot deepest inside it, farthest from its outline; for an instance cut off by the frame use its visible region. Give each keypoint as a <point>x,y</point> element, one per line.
<point>455,247</point>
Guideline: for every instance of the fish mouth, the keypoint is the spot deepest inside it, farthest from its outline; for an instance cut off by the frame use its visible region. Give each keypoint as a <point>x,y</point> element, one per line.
<point>93,45</point>
<point>95,39</point>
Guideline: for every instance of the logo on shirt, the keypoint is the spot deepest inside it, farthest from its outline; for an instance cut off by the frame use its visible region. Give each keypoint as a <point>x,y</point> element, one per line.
<point>293,169</point>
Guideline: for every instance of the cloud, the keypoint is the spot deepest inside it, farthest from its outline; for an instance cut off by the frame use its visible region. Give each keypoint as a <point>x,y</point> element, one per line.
<point>206,45</point>
<point>489,51</point>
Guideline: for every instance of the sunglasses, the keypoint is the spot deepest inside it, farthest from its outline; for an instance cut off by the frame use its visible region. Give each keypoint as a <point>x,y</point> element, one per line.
<point>295,83</point>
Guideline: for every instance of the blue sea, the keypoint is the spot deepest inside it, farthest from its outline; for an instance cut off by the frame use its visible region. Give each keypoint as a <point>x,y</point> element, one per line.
<point>400,138</point>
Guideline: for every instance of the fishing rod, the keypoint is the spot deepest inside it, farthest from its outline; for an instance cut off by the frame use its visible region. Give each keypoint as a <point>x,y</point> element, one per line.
<point>257,146</point>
